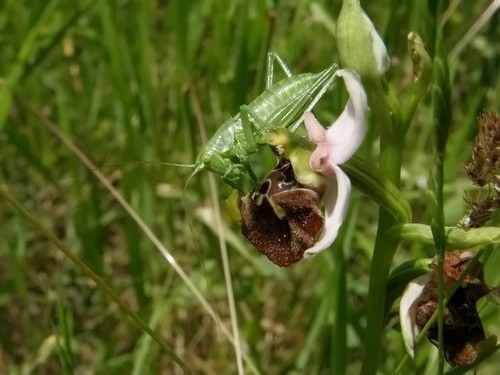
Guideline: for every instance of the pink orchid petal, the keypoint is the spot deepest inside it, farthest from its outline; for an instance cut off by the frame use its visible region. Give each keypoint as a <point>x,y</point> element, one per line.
<point>316,132</point>
<point>346,134</point>
<point>319,159</point>
<point>336,199</point>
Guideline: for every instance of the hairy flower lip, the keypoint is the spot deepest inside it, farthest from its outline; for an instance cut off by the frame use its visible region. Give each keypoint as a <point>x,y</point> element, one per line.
<point>281,217</point>
<point>334,146</point>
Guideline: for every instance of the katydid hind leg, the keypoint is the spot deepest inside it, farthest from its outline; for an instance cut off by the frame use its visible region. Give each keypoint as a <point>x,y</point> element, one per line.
<point>252,124</point>
<point>239,187</point>
<point>251,172</point>
<point>251,145</point>
<point>258,124</point>
<point>271,57</point>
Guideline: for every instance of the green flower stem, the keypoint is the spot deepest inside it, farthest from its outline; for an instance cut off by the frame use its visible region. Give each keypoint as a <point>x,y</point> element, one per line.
<point>409,112</point>
<point>339,342</point>
<point>385,247</point>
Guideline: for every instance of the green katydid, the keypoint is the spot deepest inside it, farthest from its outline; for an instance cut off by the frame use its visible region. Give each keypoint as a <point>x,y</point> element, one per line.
<point>280,106</point>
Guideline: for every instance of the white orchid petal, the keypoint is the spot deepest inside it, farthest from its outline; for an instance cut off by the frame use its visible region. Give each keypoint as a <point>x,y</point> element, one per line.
<point>411,295</point>
<point>379,50</point>
<point>315,131</point>
<point>336,199</point>
<point>346,134</point>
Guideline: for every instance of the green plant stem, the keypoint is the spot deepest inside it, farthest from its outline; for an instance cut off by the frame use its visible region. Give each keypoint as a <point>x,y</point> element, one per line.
<point>442,120</point>
<point>385,247</point>
<point>339,352</point>
<point>339,337</point>
<point>408,114</point>
<point>440,241</point>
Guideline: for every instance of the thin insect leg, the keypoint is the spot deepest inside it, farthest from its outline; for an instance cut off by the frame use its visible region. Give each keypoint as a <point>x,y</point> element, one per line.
<point>250,171</point>
<point>271,57</point>
<point>251,145</point>
<point>249,121</point>
<point>315,100</point>
<point>304,99</point>
<point>234,185</point>
<point>231,183</point>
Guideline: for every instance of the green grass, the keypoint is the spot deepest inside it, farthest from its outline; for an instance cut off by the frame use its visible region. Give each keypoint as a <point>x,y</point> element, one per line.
<point>135,81</point>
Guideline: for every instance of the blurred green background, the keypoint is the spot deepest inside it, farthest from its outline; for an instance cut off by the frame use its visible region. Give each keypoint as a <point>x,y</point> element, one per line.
<point>143,81</point>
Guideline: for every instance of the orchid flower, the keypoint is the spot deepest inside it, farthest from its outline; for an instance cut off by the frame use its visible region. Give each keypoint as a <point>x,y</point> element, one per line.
<point>336,145</point>
<point>462,333</point>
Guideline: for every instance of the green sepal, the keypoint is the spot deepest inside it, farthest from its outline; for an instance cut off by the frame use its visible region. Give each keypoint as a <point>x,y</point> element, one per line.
<point>232,205</point>
<point>369,180</point>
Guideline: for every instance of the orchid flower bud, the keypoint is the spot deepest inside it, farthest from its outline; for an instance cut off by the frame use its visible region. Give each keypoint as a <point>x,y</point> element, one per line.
<point>359,45</point>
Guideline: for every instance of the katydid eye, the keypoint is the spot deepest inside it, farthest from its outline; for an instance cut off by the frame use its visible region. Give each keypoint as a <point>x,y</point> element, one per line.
<point>205,159</point>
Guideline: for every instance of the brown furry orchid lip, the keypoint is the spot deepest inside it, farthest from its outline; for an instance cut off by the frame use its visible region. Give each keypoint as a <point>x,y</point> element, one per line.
<point>280,217</point>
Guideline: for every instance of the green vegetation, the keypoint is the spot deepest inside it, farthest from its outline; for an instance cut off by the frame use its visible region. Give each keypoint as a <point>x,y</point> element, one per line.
<point>134,83</point>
